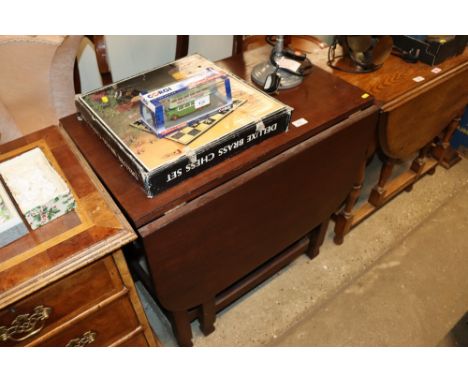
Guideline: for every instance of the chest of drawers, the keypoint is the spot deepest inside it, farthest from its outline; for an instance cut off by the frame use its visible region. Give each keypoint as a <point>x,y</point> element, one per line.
<point>67,283</point>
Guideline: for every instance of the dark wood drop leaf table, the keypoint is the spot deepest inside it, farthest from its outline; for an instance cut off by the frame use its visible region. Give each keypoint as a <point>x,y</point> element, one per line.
<point>213,237</point>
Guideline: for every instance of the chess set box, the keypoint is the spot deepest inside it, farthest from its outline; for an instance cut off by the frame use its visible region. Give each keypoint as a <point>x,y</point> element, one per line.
<point>234,116</point>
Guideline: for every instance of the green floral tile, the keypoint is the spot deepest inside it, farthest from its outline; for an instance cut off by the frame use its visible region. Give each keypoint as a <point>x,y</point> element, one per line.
<point>57,207</point>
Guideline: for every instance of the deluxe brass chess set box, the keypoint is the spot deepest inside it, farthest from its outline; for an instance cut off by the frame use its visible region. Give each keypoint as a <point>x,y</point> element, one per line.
<point>177,120</point>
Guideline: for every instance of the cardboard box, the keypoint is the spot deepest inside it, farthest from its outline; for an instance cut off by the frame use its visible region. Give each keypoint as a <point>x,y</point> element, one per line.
<point>11,224</point>
<point>430,52</point>
<point>41,194</point>
<point>159,163</point>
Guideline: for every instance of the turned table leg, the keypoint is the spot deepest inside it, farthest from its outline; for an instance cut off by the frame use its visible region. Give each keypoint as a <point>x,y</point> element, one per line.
<point>208,317</point>
<point>445,155</point>
<point>377,195</point>
<point>344,219</point>
<point>181,326</point>
<point>316,238</point>
<point>418,164</point>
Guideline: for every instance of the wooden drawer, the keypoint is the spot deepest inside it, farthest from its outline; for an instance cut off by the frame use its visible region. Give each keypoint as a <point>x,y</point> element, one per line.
<point>57,303</point>
<point>138,340</point>
<point>105,325</point>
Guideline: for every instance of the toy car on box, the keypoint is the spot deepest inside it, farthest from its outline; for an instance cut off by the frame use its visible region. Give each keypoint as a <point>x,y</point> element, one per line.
<point>186,102</point>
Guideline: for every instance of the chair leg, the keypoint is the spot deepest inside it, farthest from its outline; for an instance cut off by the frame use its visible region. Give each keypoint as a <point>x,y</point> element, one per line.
<point>182,46</point>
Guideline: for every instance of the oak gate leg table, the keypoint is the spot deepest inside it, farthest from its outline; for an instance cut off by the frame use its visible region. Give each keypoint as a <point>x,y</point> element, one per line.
<point>213,237</point>
<point>420,108</point>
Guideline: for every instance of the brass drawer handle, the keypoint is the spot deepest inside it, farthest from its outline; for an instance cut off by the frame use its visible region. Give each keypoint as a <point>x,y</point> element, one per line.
<point>86,339</point>
<point>26,325</point>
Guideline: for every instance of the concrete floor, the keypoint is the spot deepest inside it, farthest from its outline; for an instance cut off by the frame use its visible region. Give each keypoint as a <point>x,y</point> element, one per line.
<point>400,278</point>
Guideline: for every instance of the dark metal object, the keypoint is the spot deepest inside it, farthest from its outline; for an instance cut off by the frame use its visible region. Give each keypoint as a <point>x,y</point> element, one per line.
<point>361,54</point>
<point>429,49</point>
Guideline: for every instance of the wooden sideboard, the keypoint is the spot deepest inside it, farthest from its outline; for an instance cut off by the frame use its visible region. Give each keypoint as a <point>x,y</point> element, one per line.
<point>420,108</point>
<point>213,237</point>
<point>67,283</point>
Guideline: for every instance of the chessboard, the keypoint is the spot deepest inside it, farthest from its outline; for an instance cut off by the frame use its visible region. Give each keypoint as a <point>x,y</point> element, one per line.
<point>188,134</point>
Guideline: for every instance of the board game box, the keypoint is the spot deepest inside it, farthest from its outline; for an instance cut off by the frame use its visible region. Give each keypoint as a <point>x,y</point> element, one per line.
<point>41,194</point>
<point>11,224</point>
<point>161,162</point>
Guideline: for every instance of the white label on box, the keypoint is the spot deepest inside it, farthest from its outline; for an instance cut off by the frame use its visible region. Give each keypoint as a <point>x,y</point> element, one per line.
<point>300,122</point>
<point>202,101</point>
<point>418,79</point>
<point>436,70</point>
<point>260,126</point>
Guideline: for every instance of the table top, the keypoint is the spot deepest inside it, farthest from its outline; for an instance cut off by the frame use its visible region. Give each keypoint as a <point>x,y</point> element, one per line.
<point>395,79</point>
<point>322,99</point>
<point>95,228</point>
